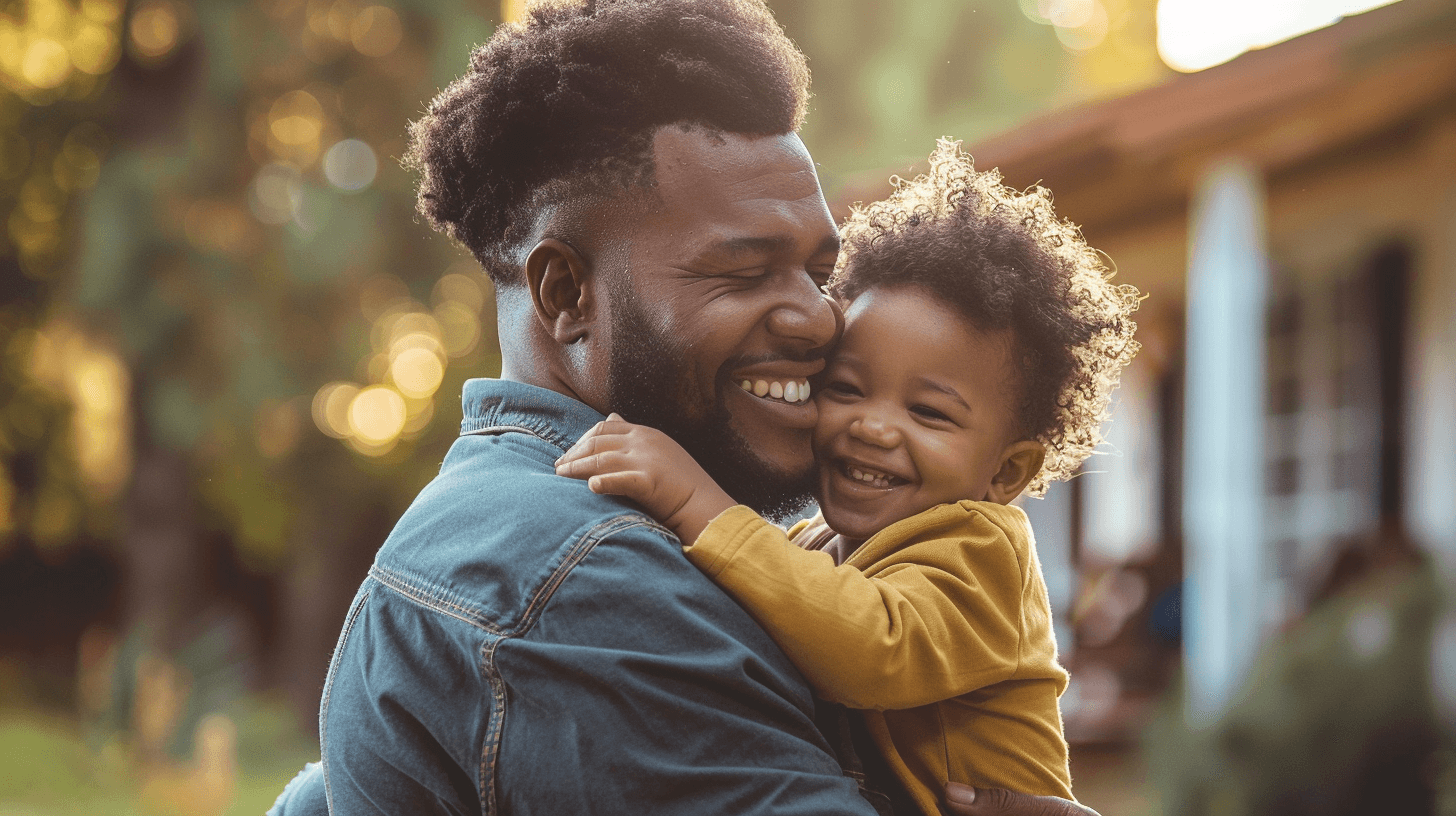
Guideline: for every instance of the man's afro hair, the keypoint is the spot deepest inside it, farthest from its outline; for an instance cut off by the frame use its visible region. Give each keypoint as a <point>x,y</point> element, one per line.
<point>573,95</point>
<point>1005,261</point>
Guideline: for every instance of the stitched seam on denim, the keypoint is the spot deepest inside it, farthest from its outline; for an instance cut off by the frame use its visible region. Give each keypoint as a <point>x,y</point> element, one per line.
<point>490,751</point>
<point>415,585</point>
<point>545,433</point>
<point>584,545</point>
<point>433,598</point>
<point>500,429</point>
<point>328,690</point>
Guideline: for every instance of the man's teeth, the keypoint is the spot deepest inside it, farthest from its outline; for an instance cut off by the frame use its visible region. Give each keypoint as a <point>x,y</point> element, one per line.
<point>876,479</point>
<point>791,391</point>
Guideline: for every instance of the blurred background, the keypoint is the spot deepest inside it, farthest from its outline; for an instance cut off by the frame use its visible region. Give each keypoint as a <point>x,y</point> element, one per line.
<point>230,355</point>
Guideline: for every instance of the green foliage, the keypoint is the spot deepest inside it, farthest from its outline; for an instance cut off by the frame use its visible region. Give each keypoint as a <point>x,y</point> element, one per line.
<point>891,78</point>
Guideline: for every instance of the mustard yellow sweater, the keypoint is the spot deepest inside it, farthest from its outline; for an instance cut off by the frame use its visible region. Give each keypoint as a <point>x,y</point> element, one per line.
<point>938,627</point>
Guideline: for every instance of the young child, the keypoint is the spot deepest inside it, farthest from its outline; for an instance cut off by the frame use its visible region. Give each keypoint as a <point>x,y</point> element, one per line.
<point>982,341</point>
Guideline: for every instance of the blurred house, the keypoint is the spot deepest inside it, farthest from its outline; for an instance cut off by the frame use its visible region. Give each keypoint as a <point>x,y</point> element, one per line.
<point>1291,216</point>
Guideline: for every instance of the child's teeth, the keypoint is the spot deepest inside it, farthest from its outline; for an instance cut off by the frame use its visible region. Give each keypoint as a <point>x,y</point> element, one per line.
<point>878,480</point>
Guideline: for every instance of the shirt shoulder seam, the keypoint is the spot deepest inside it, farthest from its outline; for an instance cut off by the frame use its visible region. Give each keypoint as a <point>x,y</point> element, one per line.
<point>422,592</point>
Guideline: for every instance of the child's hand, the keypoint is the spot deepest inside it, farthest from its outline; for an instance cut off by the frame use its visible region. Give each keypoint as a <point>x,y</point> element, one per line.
<point>646,466</point>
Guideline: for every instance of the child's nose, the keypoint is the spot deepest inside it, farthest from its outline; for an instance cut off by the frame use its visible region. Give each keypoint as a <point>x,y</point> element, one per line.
<point>874,430</point>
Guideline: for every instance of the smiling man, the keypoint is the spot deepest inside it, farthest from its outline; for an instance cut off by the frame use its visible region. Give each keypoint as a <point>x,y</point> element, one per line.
<point>629,176</point>
<point>713,280</point>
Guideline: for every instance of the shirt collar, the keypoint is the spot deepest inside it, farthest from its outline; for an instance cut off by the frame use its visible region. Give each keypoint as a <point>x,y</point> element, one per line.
<point>491,405</point>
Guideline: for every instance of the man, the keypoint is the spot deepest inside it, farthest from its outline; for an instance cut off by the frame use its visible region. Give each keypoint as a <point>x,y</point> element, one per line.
<point>629,176</point>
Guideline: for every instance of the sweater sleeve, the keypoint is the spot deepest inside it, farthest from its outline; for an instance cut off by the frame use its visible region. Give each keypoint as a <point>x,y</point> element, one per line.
<point>935,619</point>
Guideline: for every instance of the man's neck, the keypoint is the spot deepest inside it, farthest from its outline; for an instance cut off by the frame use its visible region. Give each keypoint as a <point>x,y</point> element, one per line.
<point>524,358</point>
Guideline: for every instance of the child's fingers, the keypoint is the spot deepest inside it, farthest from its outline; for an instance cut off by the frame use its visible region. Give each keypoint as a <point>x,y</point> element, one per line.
<point>593,463</point>
<point>612,425</point>
<point>588,443</point>
<point>630,483</point>
<point>593,446</point>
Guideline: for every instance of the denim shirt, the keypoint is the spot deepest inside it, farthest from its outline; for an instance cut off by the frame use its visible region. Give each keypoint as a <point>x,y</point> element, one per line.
<point>525,646</point>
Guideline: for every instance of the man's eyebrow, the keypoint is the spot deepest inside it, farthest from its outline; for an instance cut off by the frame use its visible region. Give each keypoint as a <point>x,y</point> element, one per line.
<point>766,245</point>
<point>736,247</point>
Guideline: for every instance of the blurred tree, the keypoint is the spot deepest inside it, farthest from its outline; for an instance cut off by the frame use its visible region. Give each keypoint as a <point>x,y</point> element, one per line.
<point>249,238</point>
<point>891,78</point>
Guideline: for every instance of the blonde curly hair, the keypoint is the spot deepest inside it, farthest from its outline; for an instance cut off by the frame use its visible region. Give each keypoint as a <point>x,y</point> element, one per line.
<point>1004,260</point>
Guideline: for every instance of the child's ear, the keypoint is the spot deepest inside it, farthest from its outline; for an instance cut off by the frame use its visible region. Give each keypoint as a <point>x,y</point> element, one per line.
<point>1020,463</point>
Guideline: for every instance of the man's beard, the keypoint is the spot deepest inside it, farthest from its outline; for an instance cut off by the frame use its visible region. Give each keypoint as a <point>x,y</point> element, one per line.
<point>646,384</point>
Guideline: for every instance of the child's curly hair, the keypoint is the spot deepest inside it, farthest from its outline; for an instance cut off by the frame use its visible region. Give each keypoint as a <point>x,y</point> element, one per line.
<point>1005,261</point>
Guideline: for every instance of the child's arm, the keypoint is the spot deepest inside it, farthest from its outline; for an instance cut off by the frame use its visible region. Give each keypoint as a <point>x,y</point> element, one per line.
<point>646,466</point>
<point>900,639</point>
<point>920,628</point>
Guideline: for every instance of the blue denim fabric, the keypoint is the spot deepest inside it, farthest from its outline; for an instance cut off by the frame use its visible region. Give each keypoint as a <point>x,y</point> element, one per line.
<point>525,646</point>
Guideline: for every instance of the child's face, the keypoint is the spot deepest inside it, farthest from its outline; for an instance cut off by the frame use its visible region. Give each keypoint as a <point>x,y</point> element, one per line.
<point>918,400</point>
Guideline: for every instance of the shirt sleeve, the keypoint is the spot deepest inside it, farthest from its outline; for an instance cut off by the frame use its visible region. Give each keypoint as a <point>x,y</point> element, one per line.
<point>304,796</point>
<point>916,627</point>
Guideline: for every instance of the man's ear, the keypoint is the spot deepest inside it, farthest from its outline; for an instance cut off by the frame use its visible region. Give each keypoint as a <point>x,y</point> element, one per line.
<point>560,282</point>
<point>1020,463</point>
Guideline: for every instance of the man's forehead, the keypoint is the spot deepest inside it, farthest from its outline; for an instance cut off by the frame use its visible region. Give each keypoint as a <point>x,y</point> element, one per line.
<point>696,163</point>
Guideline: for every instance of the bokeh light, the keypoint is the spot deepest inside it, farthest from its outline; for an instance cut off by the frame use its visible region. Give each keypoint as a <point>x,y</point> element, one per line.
<point>375,31</point>
<point>459,298</point>
<point>275,193</point>
<point>95,48</point>
<point>1088,32</point>
<point>417,372</point>
<point>154,30</point>
<point>331,408</point>
<point>377,415</point>
<point>95,381</point>
<point>1196,34</point>
<point>46,63</point>
<point>350,165</point>
<point>1080,25</point>
<point>296,118</point>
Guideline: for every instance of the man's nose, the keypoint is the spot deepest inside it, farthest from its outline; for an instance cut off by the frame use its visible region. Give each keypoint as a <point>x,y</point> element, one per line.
<point>806,315</point>
<point>872,429</point>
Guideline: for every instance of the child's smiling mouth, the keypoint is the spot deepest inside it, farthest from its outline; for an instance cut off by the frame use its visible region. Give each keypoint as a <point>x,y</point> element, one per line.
<point>868,476</point>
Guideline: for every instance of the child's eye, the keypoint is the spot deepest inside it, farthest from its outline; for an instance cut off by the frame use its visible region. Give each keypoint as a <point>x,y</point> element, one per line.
<point>841,388</point>
<point>930,413</point>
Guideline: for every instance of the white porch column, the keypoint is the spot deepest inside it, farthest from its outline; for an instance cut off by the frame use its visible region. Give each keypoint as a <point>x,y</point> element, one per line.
<point>1223,465</point>
<point>1430,443</point>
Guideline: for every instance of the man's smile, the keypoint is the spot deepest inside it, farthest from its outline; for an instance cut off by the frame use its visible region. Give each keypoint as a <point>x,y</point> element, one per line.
<point>790,391</point>
<point>770,399</point>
